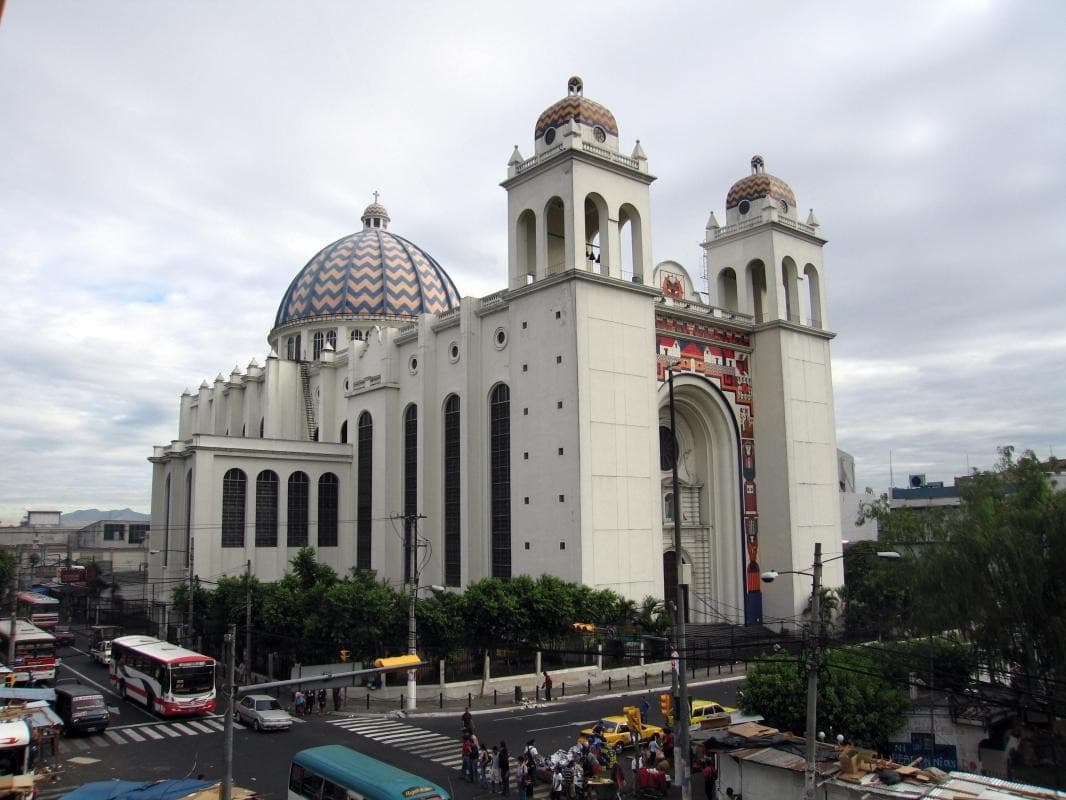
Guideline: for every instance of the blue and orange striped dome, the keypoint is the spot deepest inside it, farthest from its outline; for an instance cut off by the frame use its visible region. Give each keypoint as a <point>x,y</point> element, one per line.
<point>372,273</point>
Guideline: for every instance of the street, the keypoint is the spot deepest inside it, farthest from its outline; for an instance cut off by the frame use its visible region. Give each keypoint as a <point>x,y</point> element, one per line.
<point>141,746</point>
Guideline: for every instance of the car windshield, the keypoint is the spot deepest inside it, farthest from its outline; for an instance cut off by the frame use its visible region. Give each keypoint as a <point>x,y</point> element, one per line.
<point>192,680</point>
<point>88,703</point>
<point>267,705</point>
<point>608,726</point>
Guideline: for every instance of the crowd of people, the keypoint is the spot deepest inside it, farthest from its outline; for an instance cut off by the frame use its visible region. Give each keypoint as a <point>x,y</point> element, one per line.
<point>591,770</point>
<point>304,702</point>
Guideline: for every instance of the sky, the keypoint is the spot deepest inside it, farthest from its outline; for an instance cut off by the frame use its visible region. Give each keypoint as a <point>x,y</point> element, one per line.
<point>168,168</point>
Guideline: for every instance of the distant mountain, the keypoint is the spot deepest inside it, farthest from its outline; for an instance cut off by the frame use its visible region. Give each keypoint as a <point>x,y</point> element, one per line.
<point>85,516</point>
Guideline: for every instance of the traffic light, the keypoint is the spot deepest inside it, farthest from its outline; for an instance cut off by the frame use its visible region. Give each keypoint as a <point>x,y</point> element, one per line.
<point>664,706</point>
<point>10,678</point>
<point>345,655</point>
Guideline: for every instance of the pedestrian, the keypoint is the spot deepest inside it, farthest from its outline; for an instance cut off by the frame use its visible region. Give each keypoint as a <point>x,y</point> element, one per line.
<point>484,767</point>
<point>299,701</point>
<point>547,686</point>
<point>520,777</point>
<point>505,769</point>
<point>336,698</point>
<point>655,749</point>
<point>530,777</point>
<point>494,773</point>
<point>668,745</point>
<point>475,757</point>
<point>710,778</point>
<point>467,746</point>
<point>557,783</point>
<point>645,706</point>
<point>468,720</point>
<point>532,756</point>
<point>322,700</point>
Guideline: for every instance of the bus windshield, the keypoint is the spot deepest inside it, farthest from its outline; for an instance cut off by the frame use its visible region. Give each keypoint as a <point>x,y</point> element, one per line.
<point>195,679</point>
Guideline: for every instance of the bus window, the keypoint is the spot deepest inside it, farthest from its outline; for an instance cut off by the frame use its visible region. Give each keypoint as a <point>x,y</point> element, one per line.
<point>331,791</point>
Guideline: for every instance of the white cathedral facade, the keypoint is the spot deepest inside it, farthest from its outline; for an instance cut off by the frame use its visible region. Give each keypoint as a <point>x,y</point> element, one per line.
<point>399,427</point>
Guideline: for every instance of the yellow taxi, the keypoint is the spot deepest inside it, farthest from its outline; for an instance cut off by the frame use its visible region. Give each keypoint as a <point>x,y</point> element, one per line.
<point>618,729</point>
<point>710,714</point>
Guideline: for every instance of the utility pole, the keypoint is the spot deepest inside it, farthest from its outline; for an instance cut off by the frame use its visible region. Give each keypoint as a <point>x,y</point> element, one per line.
<point>192,591</point>
<point>227,781</point>
<point>410,542</point>
<point>812,674</point>
<point>247,677</point>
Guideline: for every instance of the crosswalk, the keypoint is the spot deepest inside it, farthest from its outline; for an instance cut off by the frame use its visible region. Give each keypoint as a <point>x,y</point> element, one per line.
<point>153,731</point>
<point>436,747</point>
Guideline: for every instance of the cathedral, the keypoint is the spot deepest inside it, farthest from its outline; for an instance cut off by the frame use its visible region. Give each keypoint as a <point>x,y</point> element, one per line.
<point>434,439</point>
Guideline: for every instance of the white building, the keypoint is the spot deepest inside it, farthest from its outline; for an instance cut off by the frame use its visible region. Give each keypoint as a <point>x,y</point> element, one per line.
<point>527,432</point>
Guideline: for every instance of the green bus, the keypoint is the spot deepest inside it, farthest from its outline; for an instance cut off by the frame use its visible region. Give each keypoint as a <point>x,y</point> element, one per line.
<point>336,772</point>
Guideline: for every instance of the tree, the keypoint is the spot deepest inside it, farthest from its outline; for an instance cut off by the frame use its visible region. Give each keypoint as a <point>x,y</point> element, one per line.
<point>857,695</point>
<point>7,566</point>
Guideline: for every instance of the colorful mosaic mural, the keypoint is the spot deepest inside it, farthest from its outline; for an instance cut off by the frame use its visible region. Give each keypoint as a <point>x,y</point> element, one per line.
<point>721,356</point>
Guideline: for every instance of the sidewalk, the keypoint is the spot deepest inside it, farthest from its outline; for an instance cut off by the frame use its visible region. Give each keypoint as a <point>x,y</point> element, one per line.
<point>522,692</point>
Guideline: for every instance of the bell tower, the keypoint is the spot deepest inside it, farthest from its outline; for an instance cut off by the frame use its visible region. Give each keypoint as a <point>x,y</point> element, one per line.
<point>766,265</point>
<point>578,203</point>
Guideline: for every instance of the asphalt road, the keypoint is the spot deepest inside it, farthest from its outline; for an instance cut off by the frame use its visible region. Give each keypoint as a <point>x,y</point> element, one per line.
<point>141,746</point>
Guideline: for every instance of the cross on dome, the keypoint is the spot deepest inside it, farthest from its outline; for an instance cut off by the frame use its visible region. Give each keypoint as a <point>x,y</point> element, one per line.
<point>375,215</point>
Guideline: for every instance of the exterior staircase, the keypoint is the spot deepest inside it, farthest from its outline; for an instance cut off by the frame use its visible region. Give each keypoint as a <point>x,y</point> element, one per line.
<point>309,404</point>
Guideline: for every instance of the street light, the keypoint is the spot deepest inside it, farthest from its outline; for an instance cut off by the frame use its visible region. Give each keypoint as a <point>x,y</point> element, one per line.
<point>812,655</point>
<point>682,770</point>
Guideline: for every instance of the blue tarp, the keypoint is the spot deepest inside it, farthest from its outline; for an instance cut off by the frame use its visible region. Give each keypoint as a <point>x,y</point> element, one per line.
<point>138,790</point>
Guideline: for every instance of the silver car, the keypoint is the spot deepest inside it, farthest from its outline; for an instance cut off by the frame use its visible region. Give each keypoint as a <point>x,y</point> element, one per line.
<point>101,652</point>
<point>263,713</point>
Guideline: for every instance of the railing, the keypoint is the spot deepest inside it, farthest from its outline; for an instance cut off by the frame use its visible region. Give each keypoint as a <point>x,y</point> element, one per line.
<point>493,299</point>
<point>610,155</point>
<point>748,224</point>
<point>703,308</point>
<point>529,163</point>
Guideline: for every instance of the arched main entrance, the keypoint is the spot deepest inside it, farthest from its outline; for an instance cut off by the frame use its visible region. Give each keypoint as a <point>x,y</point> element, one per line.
<point>706,446</point>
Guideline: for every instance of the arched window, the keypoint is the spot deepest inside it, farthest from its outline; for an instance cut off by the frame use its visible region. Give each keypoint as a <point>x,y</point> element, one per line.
<point>328,503</point>
<point>410,490</point>
<point>331,338</point>
<point>555,224</point>
<point>266,509</point>
<point>234,486</point>
<point>668,507</point>
<point>293,348</point>
<point>262,426</point>
<point>364,490</point>
<point>344,432</point>
<point>166,521</point>
<point>316,342</point>
<point>452,493</point>
<point>500,480</point>
<point>188,517</point>
<point>297,516</point>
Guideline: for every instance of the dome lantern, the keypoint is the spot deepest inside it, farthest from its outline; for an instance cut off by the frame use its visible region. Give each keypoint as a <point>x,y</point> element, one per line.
<point>375,216</point>
<point>740,203</point>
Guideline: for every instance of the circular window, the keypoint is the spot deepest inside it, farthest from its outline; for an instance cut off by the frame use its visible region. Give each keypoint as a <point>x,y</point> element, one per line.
<point>412,365</point>
<point>667,448</point>
<point>599,134</point>
<point>347,385</point>
<point>784,206</point>
<point>453,352</point>
<point>549,136</point>
<point>500,338</point>
<point>744,207</point>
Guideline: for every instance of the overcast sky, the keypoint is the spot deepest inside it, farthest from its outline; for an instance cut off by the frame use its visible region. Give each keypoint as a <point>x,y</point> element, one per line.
<point>168,167</point>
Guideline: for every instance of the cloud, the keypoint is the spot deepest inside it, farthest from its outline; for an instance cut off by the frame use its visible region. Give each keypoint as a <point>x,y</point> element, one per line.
<point>171,167</point>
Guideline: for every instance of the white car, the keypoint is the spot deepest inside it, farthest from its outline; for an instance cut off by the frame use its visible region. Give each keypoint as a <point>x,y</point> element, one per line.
<point>101,652</point>
<point>263,713</point>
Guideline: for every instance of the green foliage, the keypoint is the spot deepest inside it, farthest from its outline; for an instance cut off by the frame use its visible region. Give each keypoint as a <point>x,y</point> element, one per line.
<point>857,696</point>
<point>7,566</point>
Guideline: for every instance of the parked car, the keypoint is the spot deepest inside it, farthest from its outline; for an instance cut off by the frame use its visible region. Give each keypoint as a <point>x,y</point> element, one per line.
<point>709,714</point>
<point>263,713</point>
<point>64,637</point>
<point>83,709</point>
<point>101,652</point>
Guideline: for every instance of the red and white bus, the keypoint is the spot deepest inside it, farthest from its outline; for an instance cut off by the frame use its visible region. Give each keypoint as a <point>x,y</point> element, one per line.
<point>164,677</point>
<point>40,609</point>
<point>34,651</point>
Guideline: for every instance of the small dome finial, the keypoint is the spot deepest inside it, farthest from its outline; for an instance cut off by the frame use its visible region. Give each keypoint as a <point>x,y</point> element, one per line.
<point>375,215</point>
<point>575,86</point>
<point>757,164</point>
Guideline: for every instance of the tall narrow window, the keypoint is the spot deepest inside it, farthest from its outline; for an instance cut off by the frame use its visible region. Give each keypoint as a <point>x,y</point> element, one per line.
<point>317,341</point>
<point>297,516</point>
<point>410,491</point>
<point>233,493</point>
<point>188,517</point>
<point>364,490</point>
<point>266,509</point>
<point>331,338</point>
<point>328,503</point>
<point>500,479</point>
<point>452,546</point>
<point>344,432</point>
<point>166,521</point>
